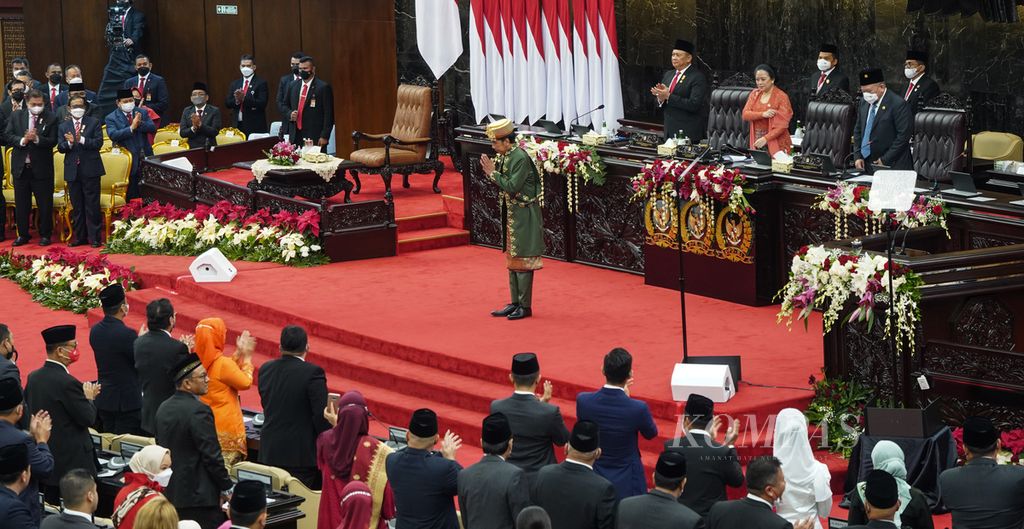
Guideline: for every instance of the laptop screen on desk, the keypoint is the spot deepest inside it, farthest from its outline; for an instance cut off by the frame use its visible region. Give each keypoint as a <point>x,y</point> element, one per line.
<point>248,475</point>
<point>129,449</point>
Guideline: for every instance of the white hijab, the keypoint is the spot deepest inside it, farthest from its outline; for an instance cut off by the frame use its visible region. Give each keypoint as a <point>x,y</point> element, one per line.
<point>793,449</point>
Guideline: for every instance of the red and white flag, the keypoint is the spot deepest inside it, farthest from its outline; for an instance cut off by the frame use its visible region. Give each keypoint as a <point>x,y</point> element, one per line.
<point>438,33</point>
<point>581,70</point>
<point>536,67</point>
<point>478,79</point>
<point>608,45</point>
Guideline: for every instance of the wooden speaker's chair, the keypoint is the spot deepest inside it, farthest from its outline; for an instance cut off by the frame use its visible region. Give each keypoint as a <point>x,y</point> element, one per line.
<point>408,148</point>
<point>164,147</point>
<point>829,126</point>
<point>114,184</point>
<point>61,198</point>
<point>229,135</point>
<point>310,507</point>
<point>941,131</point>
<point>168,133</point>
<point>725,113</point>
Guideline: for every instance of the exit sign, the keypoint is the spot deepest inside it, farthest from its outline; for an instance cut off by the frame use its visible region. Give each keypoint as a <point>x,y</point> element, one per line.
<point>223,9</point>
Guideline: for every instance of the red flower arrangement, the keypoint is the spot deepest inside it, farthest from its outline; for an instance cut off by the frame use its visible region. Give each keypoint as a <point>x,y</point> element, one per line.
<point>225,212</point>
<point>283,153</point>
<point>1013,442</point>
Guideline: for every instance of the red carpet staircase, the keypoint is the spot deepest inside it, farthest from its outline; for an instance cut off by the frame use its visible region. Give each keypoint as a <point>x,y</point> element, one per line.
<point>430,231</point>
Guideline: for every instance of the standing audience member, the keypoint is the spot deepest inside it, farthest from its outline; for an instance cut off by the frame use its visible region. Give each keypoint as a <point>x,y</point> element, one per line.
<point>160,514</point>
<point>15,474</point>
<point>12,103</point>
<point>51,388</point>
<point>493,492</point>
<point>8,355</point>
<point>424,481</point>
<point>149,473</point>
<point>533,517</point>
<point>76,88</point>
<point>711,467</point>
<point>311,107</point>
<point>983,493</point>
<point>881,501</point>
<point>127,126</point>
<point>184,425</point>
<point>74,76</point>
<point>248,506</point>
<point>765,486</point>
<point>347,452</point>
<point>572,493</point>
<point>247,98</point>
<point>660,508</point>
<point>683,92</point>
<point>885,125</point>
<point>536,425</point>
<point>283,88</point>
<point>807,480</point>
<point>32,134</point>
<point>828,77</point>
<point>80,139</point>
<point>621,419</point>
<point>356,507</point>
<point>227,377</point>
<point>151,86</point>
<point>55,86</point>
<point>113,343</point>
<point>200,122</point>
<point>913,511</point>
<point>80,499</point>
<point>922,88</point>
<point>156,353</point>
<point>293,393</point>
<point>12,408</point>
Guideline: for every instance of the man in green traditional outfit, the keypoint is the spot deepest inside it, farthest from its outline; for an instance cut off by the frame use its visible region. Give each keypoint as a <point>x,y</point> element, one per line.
<point>521,196</point>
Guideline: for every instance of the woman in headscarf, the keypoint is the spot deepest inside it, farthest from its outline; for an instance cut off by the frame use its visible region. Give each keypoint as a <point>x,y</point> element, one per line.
<point>913,511</point>
<point>228,376</point>
<point>807,494</point>
<point>347,453</point>
<point>356,506</point>
<point>150,471</point>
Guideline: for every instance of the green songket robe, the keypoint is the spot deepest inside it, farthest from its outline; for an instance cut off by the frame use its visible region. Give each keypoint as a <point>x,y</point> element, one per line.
<point>520,198</point>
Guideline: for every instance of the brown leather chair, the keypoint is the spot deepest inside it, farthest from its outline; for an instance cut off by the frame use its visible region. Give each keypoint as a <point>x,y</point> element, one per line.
<point>408,148</point>
<point>725,118</point>
<point>829,126</point>
<point>940,141</point>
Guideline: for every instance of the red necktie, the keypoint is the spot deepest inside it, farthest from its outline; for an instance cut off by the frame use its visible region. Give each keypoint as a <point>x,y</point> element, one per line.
<point>53,98</point>
<point>909,90</point>
<point>124,17</point>
<point>245,88</point>
<point>675,80</point>
<point>142,86</point>
<point>78,134</point>
<point>821,80</point>
<point>302,105</point>
<point>200,114</point>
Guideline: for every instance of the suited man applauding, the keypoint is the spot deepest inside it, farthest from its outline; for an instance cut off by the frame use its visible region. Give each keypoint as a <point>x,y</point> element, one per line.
<point>621,419</point>
<point>710,466</point>
<point>14,478</point>
<point>128,127</point>
<point>81,139</point>
<point>881,501</point>
<point>12,410</point>
<point>765,485</point>
<point>423,481</point>
<point>81,498</point>
<point>493,492</point>
<point>573,494</point>
<point>311,107</point>
<point>983,493</point>
<point>659,508</point>
<point>200,122</point>
<point>156,353</point>
<point>922,87</point>
<point>293,393</point>
<point>884,126</point>
<point>683,93</point>
<point>32,133</point>
<point>247,98</point>
<point>113,343</point>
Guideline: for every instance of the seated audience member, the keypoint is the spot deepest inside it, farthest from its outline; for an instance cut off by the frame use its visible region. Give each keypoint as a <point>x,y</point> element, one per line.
<point>348,453</point>
<point>248,505</point>
<point>808,493</point>
<point>881,501</point>
<point>572,493</point>
<point>149,472</point>
<point>533,517</point>
<point>160,514</point>
<point>15,474</point>
<point>493,492</point>
<point>660,508</point>
<point>228,376</point>
<point>913,511</point>
<point>80,497</point>
<point>356,506</point>
<point>12,411</point>
<point>983,493</point>
<point>425,482</point>
<point>710,466</point>
<point>200,121</point>
<point>765,485</point>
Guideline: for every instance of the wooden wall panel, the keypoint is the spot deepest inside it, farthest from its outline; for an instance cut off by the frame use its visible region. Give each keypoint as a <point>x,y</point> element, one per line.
<point>83,39</point>
<point>44,35</point>
<point>319,35</point>
<point>274,42</point>
<point>227,38</point>
<point>183,53</point>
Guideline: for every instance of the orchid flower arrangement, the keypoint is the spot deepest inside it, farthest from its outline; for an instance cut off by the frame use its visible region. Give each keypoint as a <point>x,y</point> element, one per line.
<point>846,199</point>
<point>576,162</point>
<point>704,183</point>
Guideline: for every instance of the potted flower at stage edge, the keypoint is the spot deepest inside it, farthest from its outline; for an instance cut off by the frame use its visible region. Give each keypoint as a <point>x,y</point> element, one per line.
<point>283,153</point>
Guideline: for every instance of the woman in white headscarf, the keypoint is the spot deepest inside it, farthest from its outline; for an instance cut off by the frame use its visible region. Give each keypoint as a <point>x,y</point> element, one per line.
<point>807,494</point>
<point>913,511</point>
<point>150,471</point>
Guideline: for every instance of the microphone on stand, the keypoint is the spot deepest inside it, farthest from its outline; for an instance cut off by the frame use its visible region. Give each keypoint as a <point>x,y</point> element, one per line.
<point>587,113</point>
<point>714,74</point>
<point>935,178</point>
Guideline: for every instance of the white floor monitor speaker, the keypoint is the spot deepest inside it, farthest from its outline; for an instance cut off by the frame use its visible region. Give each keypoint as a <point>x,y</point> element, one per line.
<point>212,267</point>
<point>713,381</point>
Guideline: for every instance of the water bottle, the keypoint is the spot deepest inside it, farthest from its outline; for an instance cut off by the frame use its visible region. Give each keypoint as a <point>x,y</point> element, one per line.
<point>799,132</point>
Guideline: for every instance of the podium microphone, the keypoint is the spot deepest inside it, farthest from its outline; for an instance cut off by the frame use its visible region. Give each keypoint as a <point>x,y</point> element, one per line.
<point>577,120</point>
<point>714,74</point>
<point>945,167</point>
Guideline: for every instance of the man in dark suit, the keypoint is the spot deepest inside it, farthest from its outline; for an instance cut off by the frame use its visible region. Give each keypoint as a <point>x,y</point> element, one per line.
<point>8,355</point>
<point>76,88</point>
<point>133,27</point>
<point>14,100</point>
<point>424,482</point>
<point>156,354</point>
<point>828,77</point>
<point>283,87</point>
<point>571,492</point>
<point>884,126</point>
<point>536,425</point>
<point>621,419</point>
<point>20,69</point>
<point>493,492</point>
<point>15,474</point>
<point>247,98</point>
<point>881,501</point>
<point>293,393</point>
<point>128,127</point>
<point>983,493</point>
<point>710,466</point>
<point>922,87</point>
<point>113,342</point>
<point>81,498</point>
<point>80,138</point>
<point>12,411</point>
<point>765,485</point>
<point>32,133</point>
<point>200,122</point>
<point>55,85</point>
<point>311,107</point>
<point>152,87</point>
<point>660,508</point>
<point>74,76</point>
<point>184,425</point>
<point>51,388</point>
<point>683,93</point>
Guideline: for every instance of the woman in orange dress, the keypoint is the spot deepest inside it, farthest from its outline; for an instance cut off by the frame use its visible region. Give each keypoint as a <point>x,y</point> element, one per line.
<point>768,111</point>
<point>228,376</point>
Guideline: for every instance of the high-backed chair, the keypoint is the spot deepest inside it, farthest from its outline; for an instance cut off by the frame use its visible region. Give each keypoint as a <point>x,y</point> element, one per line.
<point>828,126</point>
<point>279,478</point>
<point>114,184</point>
<point>228,135</point>
<point>168,133</point>
<point>408,148</point>
<point>61,198</point>
<point>8,187</point>
<point>164,147</point>
<point>725,113</point>
<point>310,507</point>
<point>115,442</point>
<point>992,146</point>
<point>940,139</point>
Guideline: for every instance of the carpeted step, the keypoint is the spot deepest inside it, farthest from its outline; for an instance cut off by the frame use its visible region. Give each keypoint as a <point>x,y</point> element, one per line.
<point>432,239</point>
<point>427,221</point>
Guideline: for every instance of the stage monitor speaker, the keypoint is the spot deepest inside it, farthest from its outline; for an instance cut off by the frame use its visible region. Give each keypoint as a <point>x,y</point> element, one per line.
<point>733,361</point>
<point>212,267</point>
<point>713,381</point>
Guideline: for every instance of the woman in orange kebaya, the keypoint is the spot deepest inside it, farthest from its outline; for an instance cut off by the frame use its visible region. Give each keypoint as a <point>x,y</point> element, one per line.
<point>228,375</point>
<point>768,111</point>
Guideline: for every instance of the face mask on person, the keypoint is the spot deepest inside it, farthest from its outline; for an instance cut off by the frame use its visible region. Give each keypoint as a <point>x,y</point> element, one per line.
<point>163,478</point>
<point>77,112</point>
<point>73,356</point>
<point>870,97</point>
<point>127,107</point>
<point>824,65</point>
<point>910,73</point>
<point>73,80</point>
<point>305,74</point>
<point>143,70</point>
<point>246,71</point>
<point>18,96</point>
<point>55,78</point>
<point>295,69</point>
<point>198,101</point>
<point>36,110</point>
